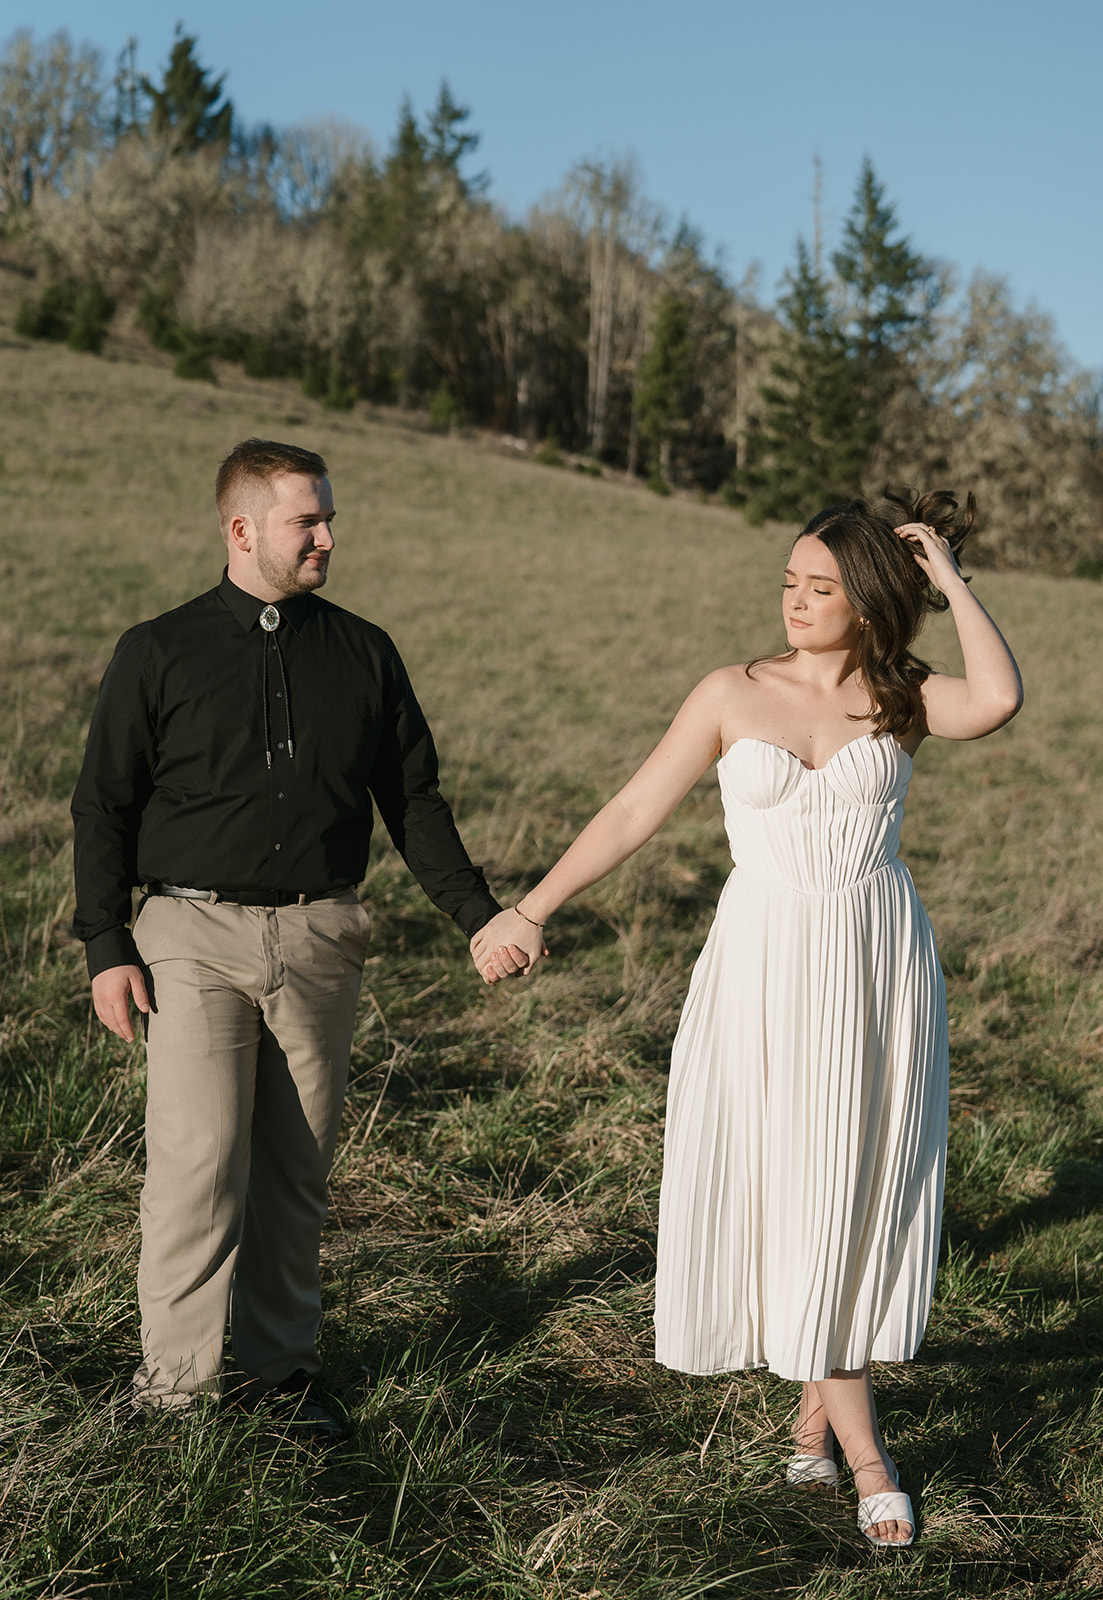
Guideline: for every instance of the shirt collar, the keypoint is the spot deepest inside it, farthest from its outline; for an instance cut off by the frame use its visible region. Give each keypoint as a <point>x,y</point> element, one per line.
<point>247,608</point>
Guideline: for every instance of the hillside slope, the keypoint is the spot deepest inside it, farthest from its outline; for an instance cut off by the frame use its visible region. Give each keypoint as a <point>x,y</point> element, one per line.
<point>552,622</point>
<point>490,1248</point>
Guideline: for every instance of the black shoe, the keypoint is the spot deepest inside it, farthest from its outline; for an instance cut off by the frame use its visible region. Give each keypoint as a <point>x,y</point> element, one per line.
<point>129,1414</point>
<point>295,1405</point>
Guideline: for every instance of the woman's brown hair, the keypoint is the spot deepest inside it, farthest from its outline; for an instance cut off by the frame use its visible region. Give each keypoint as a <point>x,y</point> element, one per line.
<point>890,592</point>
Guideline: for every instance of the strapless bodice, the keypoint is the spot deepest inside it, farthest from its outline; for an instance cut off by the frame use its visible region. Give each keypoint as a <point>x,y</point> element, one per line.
<point>822,830</point>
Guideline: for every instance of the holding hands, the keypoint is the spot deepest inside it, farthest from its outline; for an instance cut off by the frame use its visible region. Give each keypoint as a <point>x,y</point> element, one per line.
<point>509,946</point>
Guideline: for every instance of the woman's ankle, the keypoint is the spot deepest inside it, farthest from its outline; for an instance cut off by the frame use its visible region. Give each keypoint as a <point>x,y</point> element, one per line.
<point>814,1442</point>
<point>875,1473</point>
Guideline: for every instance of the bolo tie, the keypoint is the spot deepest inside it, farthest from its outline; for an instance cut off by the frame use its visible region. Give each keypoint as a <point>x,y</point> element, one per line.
<point>270,620</point>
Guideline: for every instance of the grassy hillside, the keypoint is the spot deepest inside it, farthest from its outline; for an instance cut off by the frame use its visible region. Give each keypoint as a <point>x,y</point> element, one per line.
<point>490,1251</point>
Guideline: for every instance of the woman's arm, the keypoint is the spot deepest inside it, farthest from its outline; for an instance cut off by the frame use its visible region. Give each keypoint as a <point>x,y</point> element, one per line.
<point>991,691</point>
<point>510,943</point>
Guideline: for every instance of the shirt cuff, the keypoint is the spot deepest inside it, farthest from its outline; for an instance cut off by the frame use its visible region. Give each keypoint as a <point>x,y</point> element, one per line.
<point>113,948</point>
<point>476,912</point>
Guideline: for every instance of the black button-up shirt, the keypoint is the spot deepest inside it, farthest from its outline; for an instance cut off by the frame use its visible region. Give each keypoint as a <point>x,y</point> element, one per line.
<point>176,787</point>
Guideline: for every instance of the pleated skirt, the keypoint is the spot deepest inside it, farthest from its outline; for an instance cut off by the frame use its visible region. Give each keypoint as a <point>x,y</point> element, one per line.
<point>805,1139</point>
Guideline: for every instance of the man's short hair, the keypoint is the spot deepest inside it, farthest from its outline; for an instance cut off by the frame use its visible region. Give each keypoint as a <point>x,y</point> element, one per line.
<point>244,482</point>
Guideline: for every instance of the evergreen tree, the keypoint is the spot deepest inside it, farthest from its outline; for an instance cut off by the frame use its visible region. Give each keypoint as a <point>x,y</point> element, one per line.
<point>806,446</point>
<point>846,352</point>
<point>447,142</point>
<point>700,452</point>
<point>664,396</point>
<point>184,110</point>
<point>129,113</point>
<point>404,192</point>
<point>889,294</point>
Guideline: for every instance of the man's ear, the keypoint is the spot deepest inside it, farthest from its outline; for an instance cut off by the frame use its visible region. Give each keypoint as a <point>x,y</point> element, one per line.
<point>240,532</point>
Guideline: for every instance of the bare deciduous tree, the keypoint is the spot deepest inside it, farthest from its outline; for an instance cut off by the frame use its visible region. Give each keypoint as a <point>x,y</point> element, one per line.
<point>1019,427</point>
<point>51,113</point>
<point>315,161</point>
<point>135,220</point>
<point>605,199</point>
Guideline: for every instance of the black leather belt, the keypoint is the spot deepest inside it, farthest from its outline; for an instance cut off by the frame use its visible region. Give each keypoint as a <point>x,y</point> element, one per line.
<point>245,897</point>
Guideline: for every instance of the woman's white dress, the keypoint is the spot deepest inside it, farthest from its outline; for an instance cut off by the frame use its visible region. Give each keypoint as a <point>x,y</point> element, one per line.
<point>806,1121</point>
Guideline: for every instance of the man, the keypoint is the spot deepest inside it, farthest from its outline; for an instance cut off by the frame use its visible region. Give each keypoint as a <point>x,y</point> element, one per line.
<point>231,764</point>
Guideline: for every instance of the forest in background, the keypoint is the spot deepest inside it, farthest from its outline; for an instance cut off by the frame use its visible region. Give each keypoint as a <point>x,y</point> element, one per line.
<point>590,327</point>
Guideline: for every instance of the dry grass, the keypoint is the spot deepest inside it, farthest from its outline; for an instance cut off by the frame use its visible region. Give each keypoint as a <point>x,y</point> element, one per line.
<point>490,1251</point>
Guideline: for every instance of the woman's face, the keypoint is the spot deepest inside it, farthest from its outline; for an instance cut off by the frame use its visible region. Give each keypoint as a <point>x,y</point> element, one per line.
<point>817,613</point>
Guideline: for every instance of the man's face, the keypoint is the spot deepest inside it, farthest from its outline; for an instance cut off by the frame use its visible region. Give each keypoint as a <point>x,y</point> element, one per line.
<point>294,540</point>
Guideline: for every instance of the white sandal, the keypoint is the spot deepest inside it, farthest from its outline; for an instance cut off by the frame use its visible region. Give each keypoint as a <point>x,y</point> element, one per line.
<point>812,1469</point>
<point>892,1506</point>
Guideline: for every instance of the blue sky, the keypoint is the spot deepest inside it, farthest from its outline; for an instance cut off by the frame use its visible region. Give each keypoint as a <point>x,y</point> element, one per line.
<point>981,116</point>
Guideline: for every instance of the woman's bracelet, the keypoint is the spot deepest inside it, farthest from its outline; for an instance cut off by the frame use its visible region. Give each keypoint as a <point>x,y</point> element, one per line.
<point>530,920</point>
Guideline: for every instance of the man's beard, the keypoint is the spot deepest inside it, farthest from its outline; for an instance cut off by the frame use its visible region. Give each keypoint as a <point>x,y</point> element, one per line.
<point>287,576</point>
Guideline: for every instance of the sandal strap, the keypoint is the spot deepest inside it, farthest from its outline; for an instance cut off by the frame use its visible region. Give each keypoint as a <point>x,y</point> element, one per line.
<point>811,1469</point>
<point>888,1507</point>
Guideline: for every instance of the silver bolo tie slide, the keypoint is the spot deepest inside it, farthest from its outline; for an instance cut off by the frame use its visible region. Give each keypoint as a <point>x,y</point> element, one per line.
<point>269,620</point>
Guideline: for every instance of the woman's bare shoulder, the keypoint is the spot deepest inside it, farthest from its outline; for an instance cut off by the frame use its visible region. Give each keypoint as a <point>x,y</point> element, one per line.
<point>738,683</point>
<point>720,690</point>
<point>729,680</point>
<point>731,696</point>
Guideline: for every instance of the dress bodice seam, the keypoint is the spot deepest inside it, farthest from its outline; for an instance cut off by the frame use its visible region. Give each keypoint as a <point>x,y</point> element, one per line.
<point>821,894</point>
<point>855,805</point>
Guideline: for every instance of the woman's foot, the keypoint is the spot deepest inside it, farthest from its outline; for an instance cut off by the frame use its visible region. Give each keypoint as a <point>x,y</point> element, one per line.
<point>885,1515</point>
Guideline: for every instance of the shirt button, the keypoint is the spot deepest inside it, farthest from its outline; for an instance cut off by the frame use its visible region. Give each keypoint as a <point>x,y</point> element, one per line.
<point>280,745</point>
<point>279,694</point>
<point>280,795</point>
<point>279,847</point>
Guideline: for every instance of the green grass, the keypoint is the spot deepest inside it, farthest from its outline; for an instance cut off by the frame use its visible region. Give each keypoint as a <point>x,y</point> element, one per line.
<point>488,1261</point>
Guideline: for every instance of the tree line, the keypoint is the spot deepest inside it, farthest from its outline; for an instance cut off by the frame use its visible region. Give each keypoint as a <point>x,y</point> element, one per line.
<point>590,325</point>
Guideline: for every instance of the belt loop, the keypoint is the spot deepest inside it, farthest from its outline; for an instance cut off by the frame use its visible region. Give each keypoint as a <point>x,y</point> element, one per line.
<point>214,898</point>
<point>301,900</point>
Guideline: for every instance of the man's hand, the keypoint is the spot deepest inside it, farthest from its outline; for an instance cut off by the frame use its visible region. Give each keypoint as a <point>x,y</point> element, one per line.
<point>508,947</point>
<point>111,992</point>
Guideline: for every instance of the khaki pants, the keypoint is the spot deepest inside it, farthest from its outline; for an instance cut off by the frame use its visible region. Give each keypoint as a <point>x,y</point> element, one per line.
<point>248,1047</point>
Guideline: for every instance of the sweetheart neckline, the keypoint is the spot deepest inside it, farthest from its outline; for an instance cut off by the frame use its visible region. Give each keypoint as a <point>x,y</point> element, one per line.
<point>750,738</point>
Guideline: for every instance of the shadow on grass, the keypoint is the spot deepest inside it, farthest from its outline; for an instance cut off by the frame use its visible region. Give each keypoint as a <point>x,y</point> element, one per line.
<point>1075,1194</point>
<point>486,1312</point>
<point>486,1448</point>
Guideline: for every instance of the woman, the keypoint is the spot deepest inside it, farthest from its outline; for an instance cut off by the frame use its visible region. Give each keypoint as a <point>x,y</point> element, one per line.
<point>806,1122</point>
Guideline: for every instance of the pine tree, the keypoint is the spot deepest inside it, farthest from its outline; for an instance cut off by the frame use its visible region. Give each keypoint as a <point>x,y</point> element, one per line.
<point>889,294</point>
<point>404,191</point>
<point>664,397</point>
<point>447,143</point>
<point>184,110</point>
<point>806,445</point>
<point>846,351</point>
<point>128,115</point>
<point>700,451</point>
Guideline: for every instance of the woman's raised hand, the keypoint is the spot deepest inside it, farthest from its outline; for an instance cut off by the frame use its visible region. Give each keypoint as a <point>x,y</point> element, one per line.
<point>991,691</point>
<point>932,552</point>
<point>509,946</point>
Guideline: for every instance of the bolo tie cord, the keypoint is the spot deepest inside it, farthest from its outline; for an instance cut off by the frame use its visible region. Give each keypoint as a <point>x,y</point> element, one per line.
<point>270,621</point>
